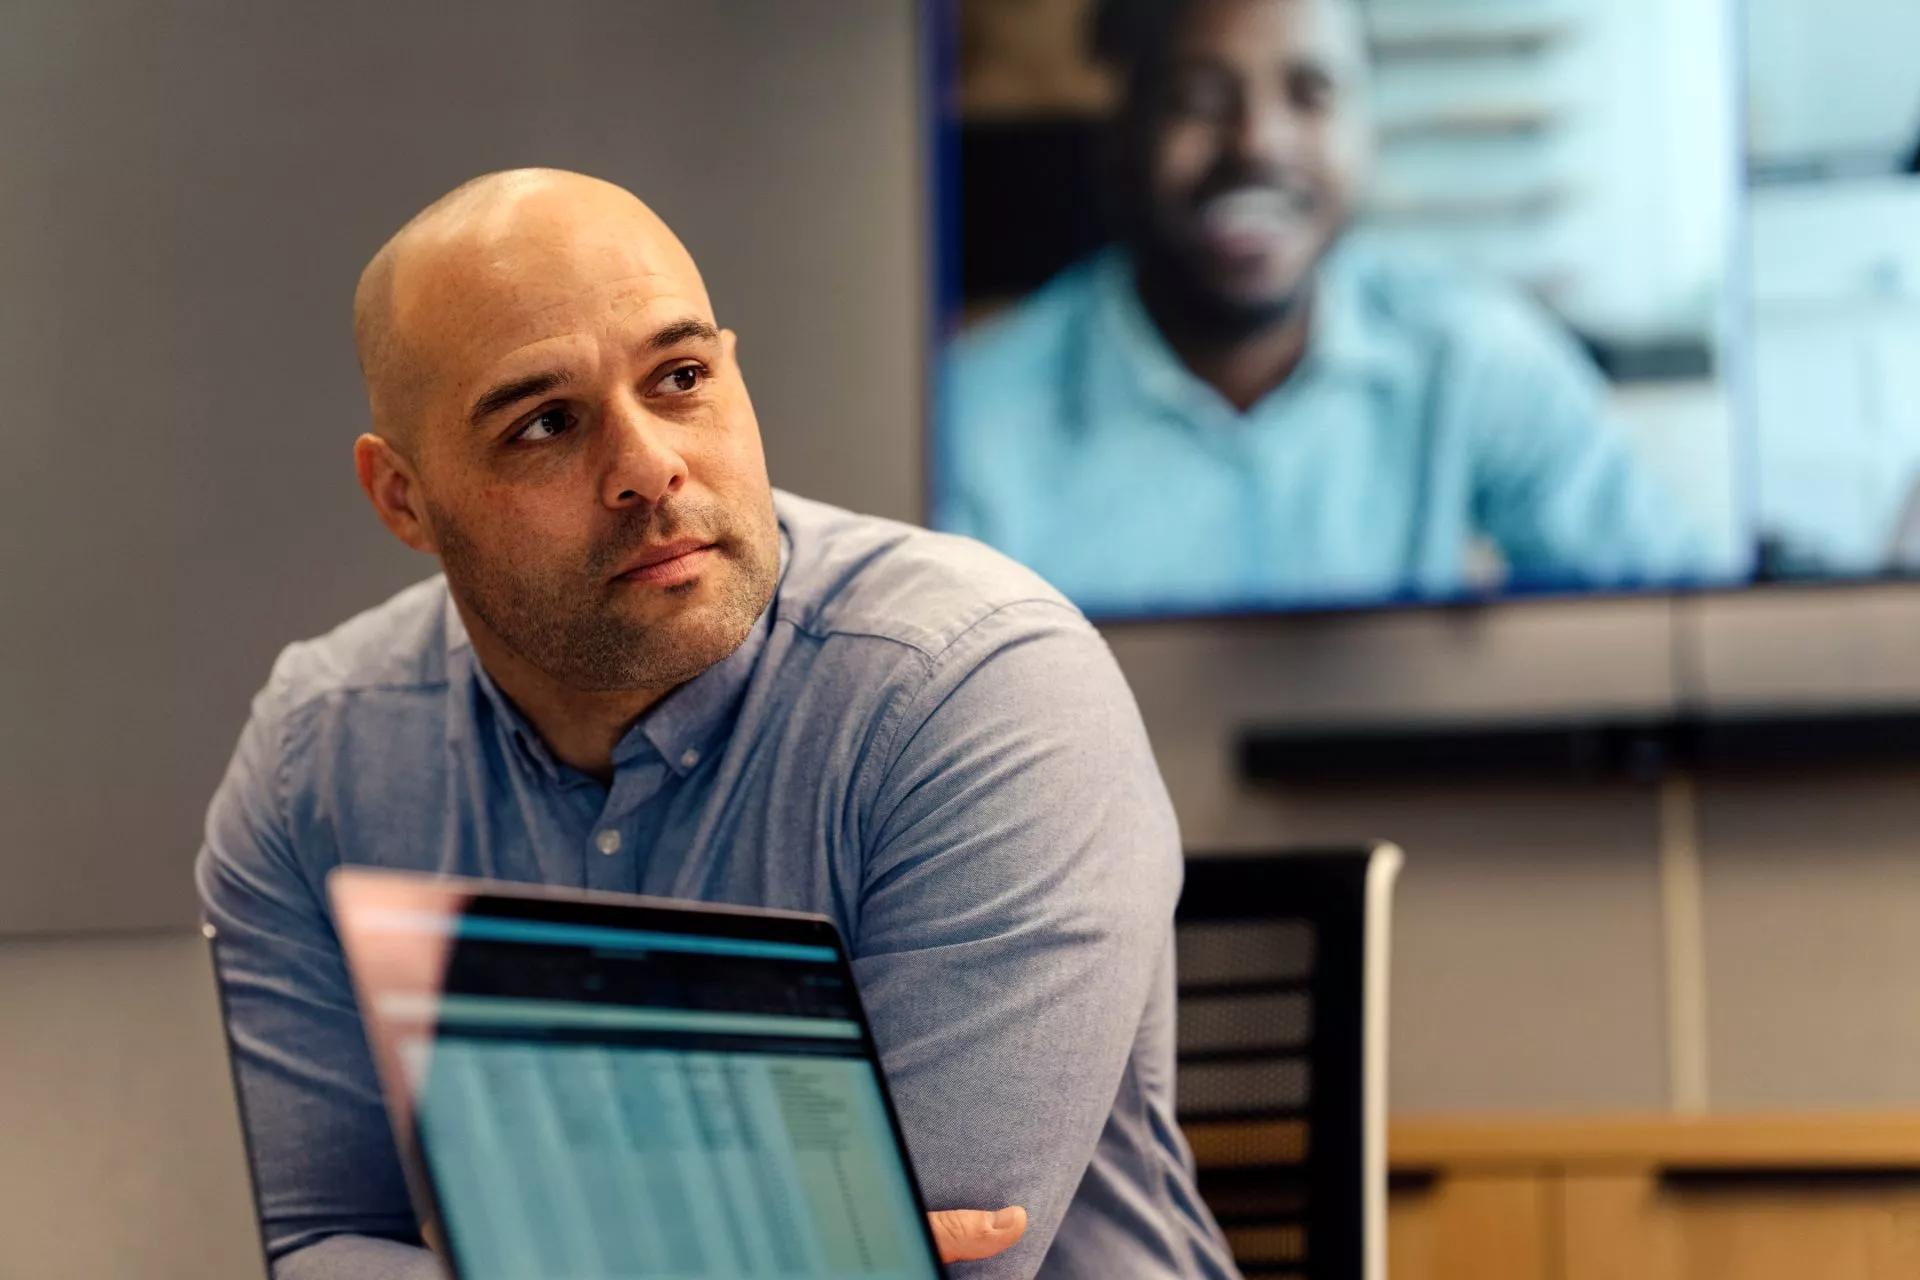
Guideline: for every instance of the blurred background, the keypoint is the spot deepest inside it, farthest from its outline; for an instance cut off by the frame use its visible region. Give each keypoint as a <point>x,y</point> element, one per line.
<point>1580,154</point>
<point>191,191</point>
<point>1833,159</point>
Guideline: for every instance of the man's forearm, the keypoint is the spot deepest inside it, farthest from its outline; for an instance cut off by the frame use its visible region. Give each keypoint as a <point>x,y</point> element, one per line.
<point>963,1235</point>
<point>359,1258</point>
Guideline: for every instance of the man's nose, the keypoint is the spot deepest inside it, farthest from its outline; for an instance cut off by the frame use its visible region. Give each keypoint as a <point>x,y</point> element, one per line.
<point>642,467</point>
<point>1264,132</point>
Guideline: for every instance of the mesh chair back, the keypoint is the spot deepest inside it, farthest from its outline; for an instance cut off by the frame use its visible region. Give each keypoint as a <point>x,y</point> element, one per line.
<point>1275,1087</point>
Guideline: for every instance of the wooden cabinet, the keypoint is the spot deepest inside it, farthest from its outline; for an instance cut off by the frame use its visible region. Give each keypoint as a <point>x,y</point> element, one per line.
<point>1490,1226</point>
<point>1638,1226</point>
<point>1656,1198</point>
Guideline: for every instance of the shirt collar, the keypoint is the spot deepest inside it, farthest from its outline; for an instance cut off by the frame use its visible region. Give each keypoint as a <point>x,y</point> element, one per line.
<point>679,730</point>
<point>686,724</point>
<point>1127,360</point>
<point>1351,337</point>
<point>519,730</point>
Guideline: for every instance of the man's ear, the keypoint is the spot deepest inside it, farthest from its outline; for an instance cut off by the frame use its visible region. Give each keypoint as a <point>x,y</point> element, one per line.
<point>394,489</point>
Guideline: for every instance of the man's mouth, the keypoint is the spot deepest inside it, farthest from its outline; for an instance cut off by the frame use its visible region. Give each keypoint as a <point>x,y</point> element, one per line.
<point>1249,220</point>
<point>667,563</point>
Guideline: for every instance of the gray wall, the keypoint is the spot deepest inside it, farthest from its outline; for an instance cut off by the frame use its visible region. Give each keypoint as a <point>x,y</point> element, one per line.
<point>189,194</point>
<point>191,191</point>
<point>122,1156</point>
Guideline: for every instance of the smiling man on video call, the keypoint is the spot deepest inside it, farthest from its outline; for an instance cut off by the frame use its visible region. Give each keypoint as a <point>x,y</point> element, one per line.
<point>1242,403</point>
<point>645,670</point>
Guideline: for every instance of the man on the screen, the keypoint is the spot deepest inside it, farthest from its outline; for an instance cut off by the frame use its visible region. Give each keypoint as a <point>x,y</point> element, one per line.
<point>1244,405</point>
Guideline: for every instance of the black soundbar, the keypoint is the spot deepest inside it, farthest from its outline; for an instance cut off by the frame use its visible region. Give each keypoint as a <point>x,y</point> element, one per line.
<point>1578,748</point>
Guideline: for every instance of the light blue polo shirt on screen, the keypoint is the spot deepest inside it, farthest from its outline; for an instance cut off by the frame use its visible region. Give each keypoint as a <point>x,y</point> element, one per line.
<point>1428,409</point>
<point>919,738</point>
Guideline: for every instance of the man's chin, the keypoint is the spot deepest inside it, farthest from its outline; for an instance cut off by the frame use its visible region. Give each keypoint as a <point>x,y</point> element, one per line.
<point>656,653</point>
<point>1232,309</point>
<point>1225,297</point>
<point>1262,280</point>
<point>705,616</point>
<point>682,607</point>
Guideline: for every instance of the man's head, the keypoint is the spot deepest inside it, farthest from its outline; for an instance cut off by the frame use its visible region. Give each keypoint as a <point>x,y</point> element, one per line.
<point>1244,145</point>
<point>558,418</point>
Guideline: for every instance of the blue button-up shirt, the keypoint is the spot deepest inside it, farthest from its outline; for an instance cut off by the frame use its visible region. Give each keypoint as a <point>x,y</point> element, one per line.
<point>919,739</point>
<point>1428,411</point>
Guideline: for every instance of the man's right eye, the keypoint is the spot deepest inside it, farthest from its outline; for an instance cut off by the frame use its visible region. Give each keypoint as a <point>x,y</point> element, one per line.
<point>1199,96</point>
<point>1311,91</point>
<point>544,425</point>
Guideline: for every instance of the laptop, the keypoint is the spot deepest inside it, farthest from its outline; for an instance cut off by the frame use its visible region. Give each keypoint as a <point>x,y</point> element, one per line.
<point>599,1085</point>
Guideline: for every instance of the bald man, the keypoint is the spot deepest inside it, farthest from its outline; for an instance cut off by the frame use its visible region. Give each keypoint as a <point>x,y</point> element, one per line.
<point>642,669</point>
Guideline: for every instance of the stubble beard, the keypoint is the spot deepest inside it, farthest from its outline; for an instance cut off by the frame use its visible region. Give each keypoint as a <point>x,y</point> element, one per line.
<point>569,623</point>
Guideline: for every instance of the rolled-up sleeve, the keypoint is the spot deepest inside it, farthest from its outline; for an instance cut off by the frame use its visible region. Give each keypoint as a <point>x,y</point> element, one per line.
<point>1558,484</point>
<point>332,1198</point>
<point>1022,870</point>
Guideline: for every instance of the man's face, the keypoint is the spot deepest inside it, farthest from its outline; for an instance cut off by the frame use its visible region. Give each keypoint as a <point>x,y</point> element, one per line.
<point>1253,144</point>
<point>589,461</point>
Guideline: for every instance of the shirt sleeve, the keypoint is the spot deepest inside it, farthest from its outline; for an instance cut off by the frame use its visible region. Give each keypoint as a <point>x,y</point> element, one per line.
<point>332,1199</point>
<point>1557,484</point>
<point>1021,877</point>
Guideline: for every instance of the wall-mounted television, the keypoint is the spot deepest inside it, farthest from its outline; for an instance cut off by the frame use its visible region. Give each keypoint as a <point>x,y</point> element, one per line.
<point>1255,306</point>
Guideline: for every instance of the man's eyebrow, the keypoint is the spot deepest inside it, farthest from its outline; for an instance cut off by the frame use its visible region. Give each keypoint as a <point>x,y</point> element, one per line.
<point>688,330</point>
<point>507,393</point>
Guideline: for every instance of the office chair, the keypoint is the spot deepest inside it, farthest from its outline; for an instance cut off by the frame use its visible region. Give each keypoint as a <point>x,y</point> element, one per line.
<point>1282,970</point>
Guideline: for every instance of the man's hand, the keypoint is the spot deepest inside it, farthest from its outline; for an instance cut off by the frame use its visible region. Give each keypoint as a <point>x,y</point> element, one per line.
<point>966,1235</point>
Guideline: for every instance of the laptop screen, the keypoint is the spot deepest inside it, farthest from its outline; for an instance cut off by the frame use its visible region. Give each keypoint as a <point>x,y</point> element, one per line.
<point>620,1101</point>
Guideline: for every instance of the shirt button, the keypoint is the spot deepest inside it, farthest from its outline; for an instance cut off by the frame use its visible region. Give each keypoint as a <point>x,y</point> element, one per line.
<point>607,841</point>
<point>689,758</point>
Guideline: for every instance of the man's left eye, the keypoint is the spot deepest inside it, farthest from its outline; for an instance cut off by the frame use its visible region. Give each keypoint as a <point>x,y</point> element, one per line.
<point>678,382</point>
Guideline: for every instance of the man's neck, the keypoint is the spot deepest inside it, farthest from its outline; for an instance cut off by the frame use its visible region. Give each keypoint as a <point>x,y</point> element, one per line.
<point>1241,362</point>
<point>580,728</point>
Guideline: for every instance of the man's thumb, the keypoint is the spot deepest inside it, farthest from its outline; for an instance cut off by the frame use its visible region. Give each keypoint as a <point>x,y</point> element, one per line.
<point>967,1235</point>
